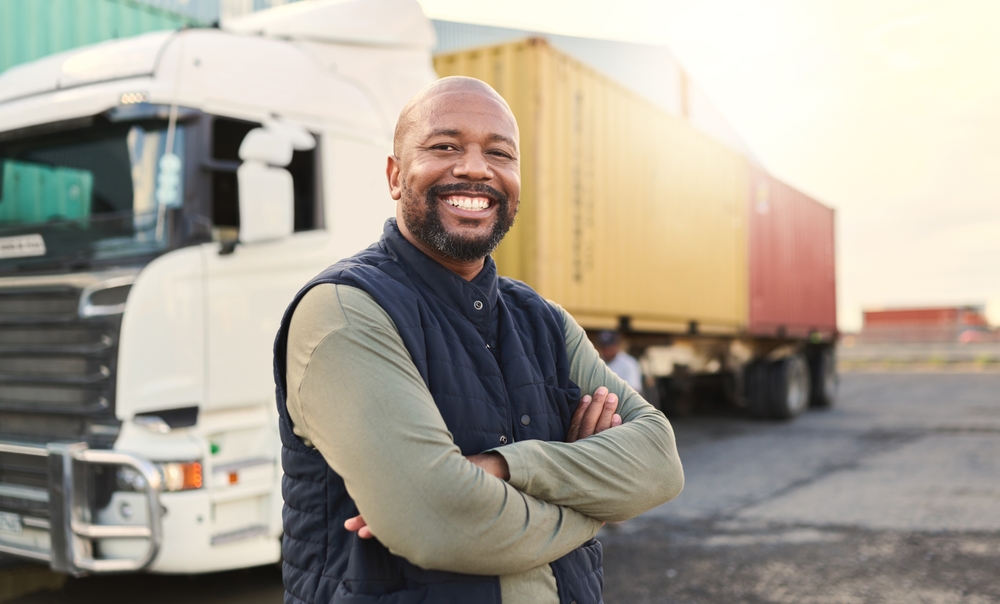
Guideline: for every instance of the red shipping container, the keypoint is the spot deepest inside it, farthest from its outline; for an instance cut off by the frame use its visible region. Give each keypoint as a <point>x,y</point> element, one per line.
<point>793,289</point>
<point>932,324</point>
<point>949,315</point>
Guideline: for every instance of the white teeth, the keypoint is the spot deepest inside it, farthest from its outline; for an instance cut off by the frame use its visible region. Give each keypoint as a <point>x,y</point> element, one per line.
<point>468,203</point>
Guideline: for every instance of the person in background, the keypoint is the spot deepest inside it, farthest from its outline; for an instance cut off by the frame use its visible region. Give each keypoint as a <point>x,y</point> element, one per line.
<point>609,344</point>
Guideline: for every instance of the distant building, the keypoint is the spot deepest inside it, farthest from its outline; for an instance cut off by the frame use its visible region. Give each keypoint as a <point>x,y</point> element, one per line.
<point>964,324</point>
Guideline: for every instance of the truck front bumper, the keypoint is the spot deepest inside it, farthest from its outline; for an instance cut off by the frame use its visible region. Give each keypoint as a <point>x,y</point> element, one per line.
<point>62,530</point>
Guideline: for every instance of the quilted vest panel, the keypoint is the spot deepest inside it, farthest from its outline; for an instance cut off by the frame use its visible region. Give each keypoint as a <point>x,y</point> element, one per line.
<point>479,397</point>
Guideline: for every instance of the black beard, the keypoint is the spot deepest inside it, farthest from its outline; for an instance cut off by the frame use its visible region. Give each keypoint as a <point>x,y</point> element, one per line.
<point>429,229</point>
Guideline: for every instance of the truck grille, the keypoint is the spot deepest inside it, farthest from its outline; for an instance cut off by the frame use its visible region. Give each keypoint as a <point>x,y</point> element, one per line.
<point>57,370</point>
<point>26,473</point>
<point>57,384</point>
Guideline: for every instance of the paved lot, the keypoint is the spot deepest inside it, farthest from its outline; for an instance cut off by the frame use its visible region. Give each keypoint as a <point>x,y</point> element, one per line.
<point>893,496</point>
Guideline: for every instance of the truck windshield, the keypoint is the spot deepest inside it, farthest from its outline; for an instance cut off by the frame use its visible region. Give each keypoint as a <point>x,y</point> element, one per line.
<point>78,196</point>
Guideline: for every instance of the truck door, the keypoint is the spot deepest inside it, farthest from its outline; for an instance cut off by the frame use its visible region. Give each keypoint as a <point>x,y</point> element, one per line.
<point>249,286</point>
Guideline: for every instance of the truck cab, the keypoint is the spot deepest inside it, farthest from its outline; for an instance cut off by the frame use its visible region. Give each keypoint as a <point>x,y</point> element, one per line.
<point>162,198</point>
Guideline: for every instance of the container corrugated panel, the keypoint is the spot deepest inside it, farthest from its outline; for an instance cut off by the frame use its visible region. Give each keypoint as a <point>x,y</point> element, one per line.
<point>204,11</point>
<point>652,72</point>
<point>792,275</point>
<point>626,210</point>
<point>32,29</point>
<point>937,324</point>
<point>945,315</point>
<point>926,316</point>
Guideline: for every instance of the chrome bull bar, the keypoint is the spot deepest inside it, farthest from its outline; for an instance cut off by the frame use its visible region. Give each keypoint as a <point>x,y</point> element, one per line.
<point>71,531</point>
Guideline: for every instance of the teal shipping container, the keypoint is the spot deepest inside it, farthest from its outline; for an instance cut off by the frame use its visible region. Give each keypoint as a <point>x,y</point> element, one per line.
<point>32,29</point>
<point>34,193</point>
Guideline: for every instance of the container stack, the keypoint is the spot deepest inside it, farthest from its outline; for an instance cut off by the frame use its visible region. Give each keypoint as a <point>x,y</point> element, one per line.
<point>632,216</point>
<point>30,29</point>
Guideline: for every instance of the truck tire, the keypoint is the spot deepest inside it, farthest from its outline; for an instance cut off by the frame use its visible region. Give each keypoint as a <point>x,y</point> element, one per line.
<point>732,389</point>
<point>675,394</point>
<point>756,389</point>
<point>789,387</point>
<point>823,371</point>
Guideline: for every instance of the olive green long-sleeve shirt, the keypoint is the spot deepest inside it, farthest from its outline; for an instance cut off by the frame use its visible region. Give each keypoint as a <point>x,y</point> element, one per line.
<point>356,396</point>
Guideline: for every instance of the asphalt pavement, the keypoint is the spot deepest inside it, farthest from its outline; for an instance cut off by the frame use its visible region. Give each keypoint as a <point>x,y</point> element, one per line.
<point>891,496</point>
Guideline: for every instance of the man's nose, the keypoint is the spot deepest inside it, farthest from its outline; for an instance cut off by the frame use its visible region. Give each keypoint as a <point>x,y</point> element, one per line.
<point>473,166</point>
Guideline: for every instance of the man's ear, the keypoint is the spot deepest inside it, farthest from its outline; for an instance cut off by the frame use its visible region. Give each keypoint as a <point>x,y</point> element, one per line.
<point>392,175</point>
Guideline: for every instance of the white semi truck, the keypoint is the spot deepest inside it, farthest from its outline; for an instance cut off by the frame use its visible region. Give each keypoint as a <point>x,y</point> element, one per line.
<point>162,199</point>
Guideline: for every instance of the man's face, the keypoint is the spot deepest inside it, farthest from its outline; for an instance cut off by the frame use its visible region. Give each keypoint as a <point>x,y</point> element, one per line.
<point>609,351</point>
<point>457,174</point>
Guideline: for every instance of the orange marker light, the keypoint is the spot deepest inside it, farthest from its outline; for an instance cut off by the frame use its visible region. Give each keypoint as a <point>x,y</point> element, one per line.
<point>234,477</point>
<point>182,476</point>
<point>192,475</point>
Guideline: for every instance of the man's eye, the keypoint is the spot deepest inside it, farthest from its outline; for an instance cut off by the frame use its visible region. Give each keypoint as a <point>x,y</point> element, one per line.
<point>502,154</point>
<point>444,147</point>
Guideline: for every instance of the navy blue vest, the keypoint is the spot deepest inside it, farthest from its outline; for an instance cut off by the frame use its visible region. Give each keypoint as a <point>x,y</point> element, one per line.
<point>483,388</point>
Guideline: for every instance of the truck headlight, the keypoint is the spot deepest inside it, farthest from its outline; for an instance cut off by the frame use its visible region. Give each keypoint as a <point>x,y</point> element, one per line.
<point>177,476</point>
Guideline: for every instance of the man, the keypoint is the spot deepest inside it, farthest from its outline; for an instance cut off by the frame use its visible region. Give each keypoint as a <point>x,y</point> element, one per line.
<point>609,343</point>
<point>435,444</point>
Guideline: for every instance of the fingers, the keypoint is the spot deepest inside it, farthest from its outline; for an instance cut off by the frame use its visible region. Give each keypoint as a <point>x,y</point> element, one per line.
<point>606,419</point>
<point>359,526</point>
<point>593,415</point>
<point>573,433</point>
<point>598,415</point>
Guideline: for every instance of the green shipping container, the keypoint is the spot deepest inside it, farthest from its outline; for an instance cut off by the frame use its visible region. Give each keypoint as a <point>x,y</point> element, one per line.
<point>33,193</point>
<point>32,29</point>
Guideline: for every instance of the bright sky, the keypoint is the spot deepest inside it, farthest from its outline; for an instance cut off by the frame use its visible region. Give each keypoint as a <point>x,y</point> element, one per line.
<point>887,110</point>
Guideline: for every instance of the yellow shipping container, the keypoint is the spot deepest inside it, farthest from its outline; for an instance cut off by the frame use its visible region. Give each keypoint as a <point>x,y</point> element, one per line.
<point>626,211</point>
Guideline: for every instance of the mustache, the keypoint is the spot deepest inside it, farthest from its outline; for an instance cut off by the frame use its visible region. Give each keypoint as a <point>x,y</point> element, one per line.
<point>461,187</point>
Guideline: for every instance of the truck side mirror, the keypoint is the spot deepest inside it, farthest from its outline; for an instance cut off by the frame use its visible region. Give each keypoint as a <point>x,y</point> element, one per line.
<point>267,200</point>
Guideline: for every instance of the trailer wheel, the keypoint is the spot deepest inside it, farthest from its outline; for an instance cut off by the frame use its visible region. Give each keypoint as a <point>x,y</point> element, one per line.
<point>789,381</point>
<point>756,389</point>
<point>675,394</point>
<point>823,371</point>
<point>733,389</point>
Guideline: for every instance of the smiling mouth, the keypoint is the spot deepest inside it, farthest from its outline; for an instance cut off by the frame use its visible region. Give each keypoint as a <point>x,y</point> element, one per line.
<point>464,202</point>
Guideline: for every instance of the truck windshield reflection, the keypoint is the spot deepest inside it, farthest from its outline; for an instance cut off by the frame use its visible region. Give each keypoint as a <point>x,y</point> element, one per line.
<point>95,193</point>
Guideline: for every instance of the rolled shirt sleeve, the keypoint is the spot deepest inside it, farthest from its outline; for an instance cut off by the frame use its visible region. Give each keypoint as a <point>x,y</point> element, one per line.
<point>356,396</point>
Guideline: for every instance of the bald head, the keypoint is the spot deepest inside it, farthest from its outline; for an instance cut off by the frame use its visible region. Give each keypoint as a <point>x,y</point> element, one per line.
<point>421,108</point>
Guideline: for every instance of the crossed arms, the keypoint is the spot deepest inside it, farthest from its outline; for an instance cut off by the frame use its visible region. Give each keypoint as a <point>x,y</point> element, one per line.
<point>356,396</point>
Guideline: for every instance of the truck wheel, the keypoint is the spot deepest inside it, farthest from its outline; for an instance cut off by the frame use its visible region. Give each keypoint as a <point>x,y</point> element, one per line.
<point>732,388</point>
<point>756,389</point>
<point>675,393</point>
<point>789,381</point>
<point>823,371</point>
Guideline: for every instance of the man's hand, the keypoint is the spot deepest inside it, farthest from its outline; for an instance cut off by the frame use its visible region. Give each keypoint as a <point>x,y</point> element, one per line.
<point>491,463</point>
<point>594,414</point>
<point>359,526</point>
